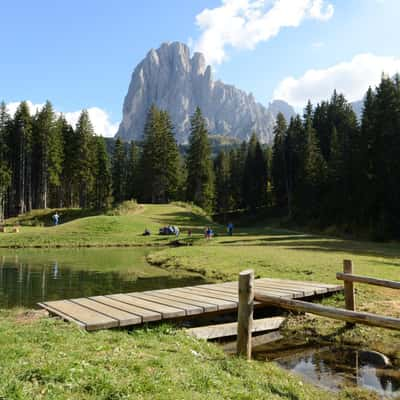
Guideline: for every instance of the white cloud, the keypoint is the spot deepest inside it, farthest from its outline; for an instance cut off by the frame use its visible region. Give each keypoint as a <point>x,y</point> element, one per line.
<point>351,78</point>
<point>317,45</point>
<point>100,119</point>
<point>242,24</point>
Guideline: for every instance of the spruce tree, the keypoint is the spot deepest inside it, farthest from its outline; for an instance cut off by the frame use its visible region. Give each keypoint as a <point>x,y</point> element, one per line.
<point>255,176</point>
<point>85,159</point>
<point>280,176</point>
<point>315,172</point>
<point>200,178</point>
<point>119,171</point>
<point>224,200</point>
<point>5,171</point>
<point>102,184</point>
<point>132,180</point>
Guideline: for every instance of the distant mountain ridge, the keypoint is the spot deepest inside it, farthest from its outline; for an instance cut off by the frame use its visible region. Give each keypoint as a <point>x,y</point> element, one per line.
<point>174,81</point>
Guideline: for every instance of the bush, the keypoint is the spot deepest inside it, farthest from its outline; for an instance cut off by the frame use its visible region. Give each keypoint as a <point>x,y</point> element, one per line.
<point>125,208</point>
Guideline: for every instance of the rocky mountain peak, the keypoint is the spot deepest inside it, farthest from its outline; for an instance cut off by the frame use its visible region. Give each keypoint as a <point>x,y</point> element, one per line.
<point>174,81</point>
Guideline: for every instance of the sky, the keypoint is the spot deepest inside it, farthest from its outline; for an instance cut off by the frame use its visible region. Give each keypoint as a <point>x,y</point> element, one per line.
<point>81,54</point>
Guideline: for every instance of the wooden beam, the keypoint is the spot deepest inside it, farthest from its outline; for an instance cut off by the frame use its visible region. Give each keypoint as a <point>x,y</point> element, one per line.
<point>331,312</point>
<point>368,280</point>
<point>230,329</point>
<point>349,293</point>
<point>245,313</point>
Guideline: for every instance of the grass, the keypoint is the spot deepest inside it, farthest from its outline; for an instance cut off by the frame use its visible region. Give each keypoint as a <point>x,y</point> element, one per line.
<point>125,228</point>
<point>46,358</point>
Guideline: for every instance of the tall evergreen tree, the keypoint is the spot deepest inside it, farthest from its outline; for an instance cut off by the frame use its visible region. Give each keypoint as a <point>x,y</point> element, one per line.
<point>119,171</point>
<point>224,200</point>
<point>5,171</point>
<point>20,195</point>
<point>85,158</point>
<point>255,176</point>
<point>315,172</point>
<point>200,178</point>
<point>280,176</point>
<point>102,184</point>
<point>133,165</point>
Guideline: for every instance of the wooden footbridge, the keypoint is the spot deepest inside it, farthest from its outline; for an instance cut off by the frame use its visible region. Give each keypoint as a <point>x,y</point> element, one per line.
<point>126,309</point>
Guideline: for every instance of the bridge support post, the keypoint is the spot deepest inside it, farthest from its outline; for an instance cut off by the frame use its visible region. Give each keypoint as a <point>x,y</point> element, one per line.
<point>349,293</point>
<point>245,313</point>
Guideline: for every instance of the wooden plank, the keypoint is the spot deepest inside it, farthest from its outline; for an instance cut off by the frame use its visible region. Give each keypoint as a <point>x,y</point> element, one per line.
<point>368,280</point>
<point>165,311</point>
<point>296,289</point>
<point>215,294</point>
<point>146,315</point>
<point>124,318</point>
<point>207,307</point>
<point>222,304</point>
<point>320,288</point>
<point>230,329</point>
<point>65,317</point>
<point>92,319</point>
<point>331,312</point>
<point>187,308</point>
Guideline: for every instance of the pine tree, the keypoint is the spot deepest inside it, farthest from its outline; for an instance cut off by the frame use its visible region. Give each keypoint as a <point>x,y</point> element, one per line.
<point>20,195</point>
<point>255,176</point>
<point>70,167</point>
<point>237,160</point>
<point>280,176</point>
<point>119,171</point>
<point>102,184</point>
<point>85,159</point>
<point>5,171</point>
<point>315,172</point>
<point>224,200</point>
<point>48,155</point>
<point>200,178</point>
<point>133,165</point>
<point>160,161</point>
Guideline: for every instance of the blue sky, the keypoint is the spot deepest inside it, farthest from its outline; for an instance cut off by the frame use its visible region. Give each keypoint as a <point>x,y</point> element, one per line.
<point>80,54</point>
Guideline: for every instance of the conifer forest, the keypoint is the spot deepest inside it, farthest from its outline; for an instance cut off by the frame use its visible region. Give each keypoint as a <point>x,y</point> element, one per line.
<point>324,168</point>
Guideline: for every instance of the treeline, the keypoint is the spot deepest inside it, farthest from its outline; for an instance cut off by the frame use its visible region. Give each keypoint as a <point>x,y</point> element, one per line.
<point>44,162</point>
<point>330,169</point>
<point>325,168</point>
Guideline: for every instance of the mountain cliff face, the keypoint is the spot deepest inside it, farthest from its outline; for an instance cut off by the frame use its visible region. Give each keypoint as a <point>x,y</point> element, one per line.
<point>174,81</point>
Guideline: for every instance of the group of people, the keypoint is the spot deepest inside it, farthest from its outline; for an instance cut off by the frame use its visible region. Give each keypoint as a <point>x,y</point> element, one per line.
<point>174,230</point>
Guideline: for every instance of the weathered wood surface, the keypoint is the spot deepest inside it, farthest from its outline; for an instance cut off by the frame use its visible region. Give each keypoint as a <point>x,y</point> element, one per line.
<point>245,313</point>
<point>230,329</point>
<point>330,312</point>
<point>366,279</point>
<point>118,310</point>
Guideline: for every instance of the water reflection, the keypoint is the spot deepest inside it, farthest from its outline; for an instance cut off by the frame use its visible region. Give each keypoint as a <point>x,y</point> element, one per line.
<point>336,367</point>
<point>26,280</point>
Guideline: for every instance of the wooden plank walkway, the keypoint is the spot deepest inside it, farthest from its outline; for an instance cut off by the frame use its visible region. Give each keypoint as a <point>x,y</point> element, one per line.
<point>126,309</point>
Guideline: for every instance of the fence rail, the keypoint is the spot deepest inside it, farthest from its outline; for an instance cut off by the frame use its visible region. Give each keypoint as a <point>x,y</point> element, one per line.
<point>247,296</point>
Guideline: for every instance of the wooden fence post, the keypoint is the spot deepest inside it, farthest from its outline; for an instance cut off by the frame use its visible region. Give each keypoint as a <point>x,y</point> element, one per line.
<point>245,313</point>
<point>349,294</point>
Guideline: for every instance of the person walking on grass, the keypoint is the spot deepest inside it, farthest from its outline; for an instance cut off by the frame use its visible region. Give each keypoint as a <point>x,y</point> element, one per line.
<point>229,228</point>
<point>56,219</point>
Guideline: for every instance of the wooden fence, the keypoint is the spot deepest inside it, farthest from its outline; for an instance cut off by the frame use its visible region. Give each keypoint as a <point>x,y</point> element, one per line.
<point>247,296</point>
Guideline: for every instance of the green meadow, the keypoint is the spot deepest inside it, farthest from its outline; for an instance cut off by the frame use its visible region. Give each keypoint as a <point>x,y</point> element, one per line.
<point>45,358</point>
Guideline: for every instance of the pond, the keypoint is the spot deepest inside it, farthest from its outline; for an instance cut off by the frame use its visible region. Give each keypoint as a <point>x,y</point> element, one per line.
<point>334,367</point>
<point>31,276</point>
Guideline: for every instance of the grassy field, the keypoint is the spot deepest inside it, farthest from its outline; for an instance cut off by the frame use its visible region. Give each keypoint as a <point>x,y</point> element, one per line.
<point>123,229</point>
<point>49,359</point>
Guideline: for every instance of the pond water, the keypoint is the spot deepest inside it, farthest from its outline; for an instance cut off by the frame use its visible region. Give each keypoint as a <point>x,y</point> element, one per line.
<point>31,276</point>
<point>336,367</point>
